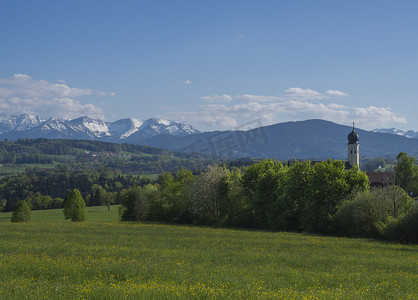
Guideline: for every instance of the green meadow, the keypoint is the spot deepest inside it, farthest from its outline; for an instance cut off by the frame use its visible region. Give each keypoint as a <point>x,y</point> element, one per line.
<point>94,214</point>
<point>105,259</point>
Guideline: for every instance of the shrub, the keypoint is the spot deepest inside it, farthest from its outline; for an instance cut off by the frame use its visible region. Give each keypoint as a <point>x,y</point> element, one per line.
<point>22,212</point>
<point>368,213</point>
<point>57,203</point>
<point>2,204</point>
<point>135,204</point>
<point>358,217</point>
<point>75,207</point>
<point>404,230</point>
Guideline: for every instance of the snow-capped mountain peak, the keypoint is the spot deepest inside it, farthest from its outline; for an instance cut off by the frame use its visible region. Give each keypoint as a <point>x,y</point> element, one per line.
<point>153,126</point>
<point>94,127</point>
<point>164,122</point>
<point>134,130</point>
<point>124,128</point>
<point>408,134</point>
<point>19,123</point>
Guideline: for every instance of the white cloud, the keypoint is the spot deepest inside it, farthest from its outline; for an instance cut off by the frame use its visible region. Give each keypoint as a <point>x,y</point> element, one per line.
<point>218,112</point>
<point>112,94</point>
<point>297,93</point>
<point>21,93</point>
<point>187,82</point>
<point>377,115</point>
<point>217,98</point>
<point>215,115</point>
<point>303,94</point>
<point>336,93</point>
<point>256,98</point>
<point>24,86</point>
<point>59,107</point>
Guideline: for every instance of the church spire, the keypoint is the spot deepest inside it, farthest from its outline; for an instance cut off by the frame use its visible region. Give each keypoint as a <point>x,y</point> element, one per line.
<point>353,148</point>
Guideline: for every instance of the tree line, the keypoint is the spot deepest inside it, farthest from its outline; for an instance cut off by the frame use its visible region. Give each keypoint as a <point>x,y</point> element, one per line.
<point>322,198</point>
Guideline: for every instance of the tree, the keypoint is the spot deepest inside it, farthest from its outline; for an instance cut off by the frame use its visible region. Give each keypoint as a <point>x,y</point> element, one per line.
<point>400,202</point>
<point>406,173</point>
<point>178,197</point>
<point>361,214</point>
<point>2,204</point>
<point>405,229</point>
<point>293,196</point>
<point>173,202</point>
<point>22,212</point>
<point>57,203</point>
<point>135,203</point>
<point>260,186</point>
<point>205,195</point>
<point>330,184</point>
<point>374,164</point>
<point>267,193</point>
<point>368,213</point>
<point>75,207</point>
<point>235,209</point>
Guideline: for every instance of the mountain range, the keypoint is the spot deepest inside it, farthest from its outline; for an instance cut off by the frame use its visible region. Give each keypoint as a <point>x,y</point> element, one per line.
<point>311,139</point>
<point>128,130</point>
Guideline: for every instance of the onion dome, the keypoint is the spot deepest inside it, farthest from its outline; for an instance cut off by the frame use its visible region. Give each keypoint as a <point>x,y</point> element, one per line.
<point>353,137</point>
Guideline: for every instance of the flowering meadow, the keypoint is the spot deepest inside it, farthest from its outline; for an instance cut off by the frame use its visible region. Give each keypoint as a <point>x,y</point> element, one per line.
<point>114,260</point>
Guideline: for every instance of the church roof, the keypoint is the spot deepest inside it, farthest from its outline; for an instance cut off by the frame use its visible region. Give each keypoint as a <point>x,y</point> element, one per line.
<point>353,137</point>
<point>380,178</point>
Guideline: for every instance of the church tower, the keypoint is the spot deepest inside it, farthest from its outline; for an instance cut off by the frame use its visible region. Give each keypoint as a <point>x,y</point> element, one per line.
<point>353,148</point>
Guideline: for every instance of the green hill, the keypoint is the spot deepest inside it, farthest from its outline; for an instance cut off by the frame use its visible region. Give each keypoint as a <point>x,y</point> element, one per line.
<point>44,154</point>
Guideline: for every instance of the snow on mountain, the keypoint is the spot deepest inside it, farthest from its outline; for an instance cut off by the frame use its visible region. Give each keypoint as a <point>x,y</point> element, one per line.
<point>54,124</point>
<point>34,126</point>
<point>124,128</point>
<point>27,121</point>
<point>92,127</point>
<point>153,127</point>
<point>389,130</point>
<point>19,123</point>
<point>409,133</point>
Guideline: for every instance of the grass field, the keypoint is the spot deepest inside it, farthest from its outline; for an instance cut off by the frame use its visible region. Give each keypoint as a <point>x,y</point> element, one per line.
<point>113,260</point>
<point>94,214</point>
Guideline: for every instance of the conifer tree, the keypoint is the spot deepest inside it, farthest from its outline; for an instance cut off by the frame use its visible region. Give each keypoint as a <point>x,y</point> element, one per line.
<point>22,212</point>
<point>75,207</point>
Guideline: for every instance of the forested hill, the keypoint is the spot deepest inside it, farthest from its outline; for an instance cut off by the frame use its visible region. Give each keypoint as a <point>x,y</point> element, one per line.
<point>81,154</point>
<point>10,149</point>
<point>44,171</point>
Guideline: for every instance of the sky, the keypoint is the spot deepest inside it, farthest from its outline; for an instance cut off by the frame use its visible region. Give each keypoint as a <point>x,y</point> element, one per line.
<point>214,64</point>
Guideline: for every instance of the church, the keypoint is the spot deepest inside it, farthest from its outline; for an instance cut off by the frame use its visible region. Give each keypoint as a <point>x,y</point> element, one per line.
<point>375,178</point>
<point>353,150</point>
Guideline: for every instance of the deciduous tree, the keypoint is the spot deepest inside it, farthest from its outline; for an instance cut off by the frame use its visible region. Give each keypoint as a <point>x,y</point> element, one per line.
<point>406,173</point>
<point>21,212</point>
<point>75,207</point>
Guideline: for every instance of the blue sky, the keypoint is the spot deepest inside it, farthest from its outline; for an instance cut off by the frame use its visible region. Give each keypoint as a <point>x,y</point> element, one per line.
<point>214,64</point>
